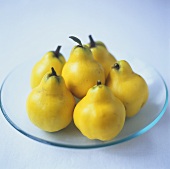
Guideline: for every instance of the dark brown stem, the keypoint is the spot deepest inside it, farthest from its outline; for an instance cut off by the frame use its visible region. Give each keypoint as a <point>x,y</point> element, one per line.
<point>53,72</point>
<point>92,42</point>
<point>99,82</point>
<point>116,66</point>
<point>57,51</point>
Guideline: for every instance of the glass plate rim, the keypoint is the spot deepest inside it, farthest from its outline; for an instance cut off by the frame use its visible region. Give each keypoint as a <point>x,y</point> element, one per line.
<point>134,135</point>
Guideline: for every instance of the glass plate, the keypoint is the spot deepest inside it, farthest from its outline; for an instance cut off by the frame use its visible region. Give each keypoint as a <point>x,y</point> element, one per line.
<point>16,88</point>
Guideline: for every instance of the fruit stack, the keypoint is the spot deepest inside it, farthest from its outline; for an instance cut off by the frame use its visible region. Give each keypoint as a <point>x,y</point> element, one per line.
<point>109,91</point>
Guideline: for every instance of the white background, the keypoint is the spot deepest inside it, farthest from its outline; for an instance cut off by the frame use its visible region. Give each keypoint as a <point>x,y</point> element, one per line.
<point>28,29</point>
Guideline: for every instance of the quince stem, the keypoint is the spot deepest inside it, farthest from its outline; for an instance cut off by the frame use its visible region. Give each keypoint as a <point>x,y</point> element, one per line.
<point>116,66</point>
<point>57,51</point>
<point>92,42</point>
<point>99,82</point>
<point>53,72</point>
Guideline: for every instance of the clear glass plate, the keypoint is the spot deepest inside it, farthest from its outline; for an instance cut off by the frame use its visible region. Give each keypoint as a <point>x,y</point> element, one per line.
<point>16,88</point>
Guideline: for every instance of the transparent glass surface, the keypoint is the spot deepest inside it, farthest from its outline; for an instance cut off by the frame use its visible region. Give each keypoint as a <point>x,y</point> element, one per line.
<point>16,87</point>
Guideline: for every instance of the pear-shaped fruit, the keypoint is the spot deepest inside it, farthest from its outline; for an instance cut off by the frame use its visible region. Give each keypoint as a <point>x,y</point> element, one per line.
<point>101,54</point>
<point>99,115</point>
<point>128,86</point>
<point>50,59</point>
<point>50,105</point>
<point>81,71</point>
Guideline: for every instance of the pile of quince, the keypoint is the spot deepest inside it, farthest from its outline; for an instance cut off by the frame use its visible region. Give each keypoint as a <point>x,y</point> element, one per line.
<point>108,91</point>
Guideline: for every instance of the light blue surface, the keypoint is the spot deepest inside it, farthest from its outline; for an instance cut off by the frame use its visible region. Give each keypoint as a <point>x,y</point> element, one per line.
<point>28,29</point>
